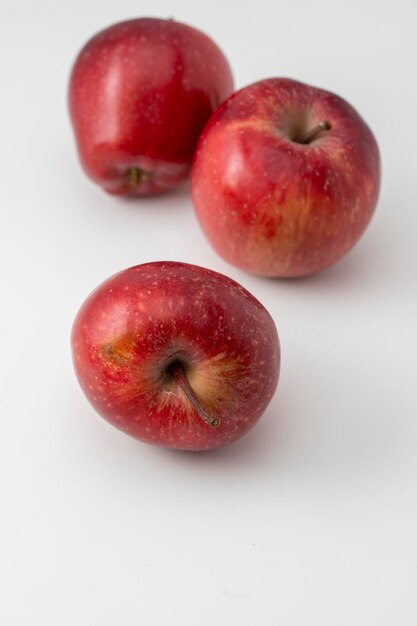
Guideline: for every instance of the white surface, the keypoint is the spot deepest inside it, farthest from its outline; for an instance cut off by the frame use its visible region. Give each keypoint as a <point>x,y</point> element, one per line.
<point>311,518</point>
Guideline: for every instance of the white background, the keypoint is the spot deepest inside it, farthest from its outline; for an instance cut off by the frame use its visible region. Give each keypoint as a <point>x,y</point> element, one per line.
<point>311,519</point>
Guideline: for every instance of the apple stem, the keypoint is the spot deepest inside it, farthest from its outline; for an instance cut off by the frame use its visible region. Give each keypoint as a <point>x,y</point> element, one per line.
<point>177,372</point>
<point>135,176</point>
<point>312,134</point>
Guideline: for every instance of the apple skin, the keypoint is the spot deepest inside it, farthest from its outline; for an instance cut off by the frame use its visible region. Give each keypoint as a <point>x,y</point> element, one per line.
<point>133,327</point>
<point>140,93</point>
<point>274,206</point>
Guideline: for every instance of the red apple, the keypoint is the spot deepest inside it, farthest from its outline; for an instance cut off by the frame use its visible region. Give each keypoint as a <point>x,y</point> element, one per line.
<point>176,355</point>
<point>140,93</point>
<point>285,178</point>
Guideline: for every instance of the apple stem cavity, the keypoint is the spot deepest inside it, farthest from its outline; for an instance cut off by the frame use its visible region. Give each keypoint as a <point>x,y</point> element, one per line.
<point>311,135</point>
<point>177,372</point>
<point>135,176</point>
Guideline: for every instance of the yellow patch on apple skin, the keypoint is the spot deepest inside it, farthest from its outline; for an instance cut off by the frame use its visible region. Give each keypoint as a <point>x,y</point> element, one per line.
<point>255,123</point>
<point>127,377</point>
<point>214,380</point>
<point>355,210</point>
<point>282,231</point>
<point>305,206</point>
<point>118,353</point>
